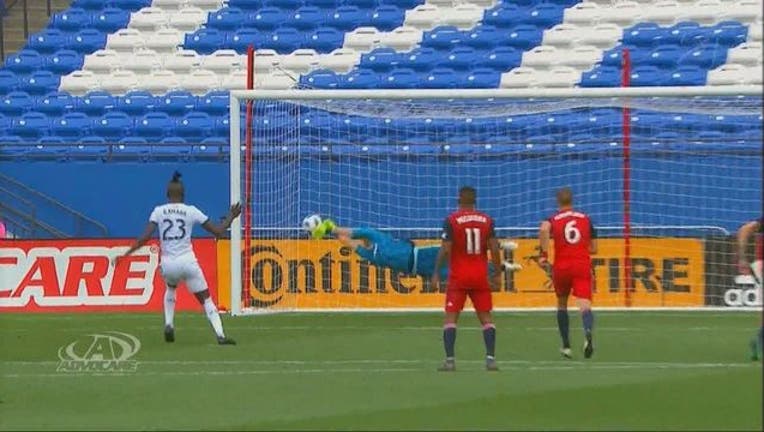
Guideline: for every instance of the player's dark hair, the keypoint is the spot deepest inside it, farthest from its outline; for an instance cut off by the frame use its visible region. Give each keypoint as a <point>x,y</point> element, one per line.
<point>467,196</point>
<point>565,196</point>
<point>175,190</point>
<point>176,177</point>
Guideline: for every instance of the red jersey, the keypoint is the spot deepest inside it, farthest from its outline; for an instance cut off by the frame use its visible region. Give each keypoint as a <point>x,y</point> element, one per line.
<point>469,232</point>
<point>572,233</point>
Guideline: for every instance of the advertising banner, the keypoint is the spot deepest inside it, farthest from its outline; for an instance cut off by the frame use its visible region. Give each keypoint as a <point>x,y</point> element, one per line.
<point>77,276</point>
<point>728,284</point>
<point>309,274</point>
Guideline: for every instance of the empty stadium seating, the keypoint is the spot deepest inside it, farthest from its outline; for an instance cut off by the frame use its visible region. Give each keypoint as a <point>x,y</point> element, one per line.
<point>138,72</point>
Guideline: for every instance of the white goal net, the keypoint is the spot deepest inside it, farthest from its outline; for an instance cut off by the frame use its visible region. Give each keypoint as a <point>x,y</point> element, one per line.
<point>668,175</point>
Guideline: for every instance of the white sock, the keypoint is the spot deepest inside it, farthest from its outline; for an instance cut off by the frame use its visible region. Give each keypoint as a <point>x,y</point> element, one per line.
<point>169,306</point>
<point>212,315</point>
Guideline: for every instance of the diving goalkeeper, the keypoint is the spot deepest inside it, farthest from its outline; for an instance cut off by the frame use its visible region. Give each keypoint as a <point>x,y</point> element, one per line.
<point>402,256</point>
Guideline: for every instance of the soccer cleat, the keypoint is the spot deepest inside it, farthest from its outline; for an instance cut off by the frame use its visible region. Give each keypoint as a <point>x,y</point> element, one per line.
<point>324,228</point>
<point>169,334</point>
<point>222,340</point>
<point>491,365</point>
<point>588,348</point>
<point>447,366</point>
<point>566,352</point>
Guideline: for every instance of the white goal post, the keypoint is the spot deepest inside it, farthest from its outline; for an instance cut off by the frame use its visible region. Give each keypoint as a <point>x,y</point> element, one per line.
<point>289,189</point>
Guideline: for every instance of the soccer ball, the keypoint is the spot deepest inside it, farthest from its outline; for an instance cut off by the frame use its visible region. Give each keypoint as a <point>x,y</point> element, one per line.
<point>311,222</point>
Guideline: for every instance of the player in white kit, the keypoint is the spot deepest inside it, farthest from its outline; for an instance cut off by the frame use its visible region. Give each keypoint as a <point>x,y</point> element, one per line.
<point>175,220</point>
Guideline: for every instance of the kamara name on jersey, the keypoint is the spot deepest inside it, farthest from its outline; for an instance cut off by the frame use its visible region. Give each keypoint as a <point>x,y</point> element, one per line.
<point>173,210</point>
<point>471,218</point>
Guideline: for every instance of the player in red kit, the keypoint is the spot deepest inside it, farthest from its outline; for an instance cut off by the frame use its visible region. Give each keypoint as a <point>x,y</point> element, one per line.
<point>574,242</point>
<point>467,237</point>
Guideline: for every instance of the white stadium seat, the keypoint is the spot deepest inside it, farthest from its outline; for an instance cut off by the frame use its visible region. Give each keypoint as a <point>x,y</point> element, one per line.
<point>519,77</point>
<point>442,3</point>
<point>223,61</point>
<point>754,31</point>
<point>169,4</point>
<point>748,54</point>
<point>266,60</point>
<point>663,13</point>
<point>206,4</point>
<point>165,40</point>
<point>120,82</point>
<point>80,82</point>
<point>341,60</point>
<point>126,40</point>
<point>562,76</point>
<point>160,82</point>
<point>485,4</point>
<point>300,61</point>
<point>754,75</point>
<point>402,38</point>
<point>586,13</point>
<point>275,81</point>
<point>728,74</point>
<point>103,61</point>
<point>624,13</point>
<point>705,12</point>
<point>423,17</point>
<point>464,16</point>
<point>362,39</point>
<point>745,11</point>
<point>143,61</point>
<point>188,19</point>
<point>182,61</point>
<point>561,35</point>
<point>200,81</point>
<point>149,19</point>
<point>541,56</point>
<point>602,35</point>
<point>581,56</point>
<point>236,80</point>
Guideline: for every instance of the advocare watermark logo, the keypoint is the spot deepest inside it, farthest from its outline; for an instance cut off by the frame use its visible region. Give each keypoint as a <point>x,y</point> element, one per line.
<point>100,353</point>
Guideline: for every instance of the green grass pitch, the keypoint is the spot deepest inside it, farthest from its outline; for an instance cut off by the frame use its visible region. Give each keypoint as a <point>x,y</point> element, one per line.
<point>651,370</point>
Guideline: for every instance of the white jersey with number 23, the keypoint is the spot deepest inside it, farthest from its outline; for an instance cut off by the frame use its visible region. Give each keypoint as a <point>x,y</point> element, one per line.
<point>175,222</point>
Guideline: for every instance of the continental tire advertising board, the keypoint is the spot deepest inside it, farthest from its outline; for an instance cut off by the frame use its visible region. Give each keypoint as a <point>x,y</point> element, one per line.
<point>308,274</point>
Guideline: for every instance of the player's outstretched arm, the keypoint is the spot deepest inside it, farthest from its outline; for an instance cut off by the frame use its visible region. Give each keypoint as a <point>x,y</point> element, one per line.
<point>219,231</point>
<point>443,254</point>
<point>140,241</point>
<point>544,234</point>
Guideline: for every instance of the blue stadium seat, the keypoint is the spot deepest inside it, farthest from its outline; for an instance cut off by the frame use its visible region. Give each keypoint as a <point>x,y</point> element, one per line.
<point>130,5</point>
<point>325,40</point>
<point>214,143</point>
<point>5,124</point>
<point>324,4</point>
<point>603,76</point>
<point>614,56</point>
<point>196,125</point>
<point>544,15</point>
<point>72,19</point>
<point>85,42</point>
<point>176,103</point>
<point>64,61</point>
<point>387,17</point>
<point>132,146</point>
<point>111,19</point>
<point>47,41</point>
<point>227,18</point>
<point>419,59</point>
<point>136,103</point>
<point>483,37</point>
<point>348,18</point>
<point>482,78</point>
<point>441,78</point>
<point>684,33</point>
<point>665,56</point>
<point>502,58</point>
<point>222,127</point>
<point>504,15</point>
<point>204,40</point>
<point>524,36</point>
<point>285,40</point>
<point>400,79</point>
<point>644,35</point>
<point>40,83</point>
<point>728,33</point>
<point>404,4</point>
<point>360,79</point>
<point>91,5</point>
<point>642,76</point>
<point>706,56</point>
<point>246,5</point>
<point>306,18</point>
<point>284,4</point>
<point>55,104</point>
<point>380,60</point>
<point>243,38</point>
<point>364,4</point>
<point>442,38</point>
<point>113,125</point>
<point>24,61</point>
<point>96,103</point>
<point>460,58</point>
<point>267,18</point>
<point>72,125</point>
<point>213,103</point>
<point>16,103</point>
<point>9,81</point>
<point>31,125</point>
<point>320,79</point>
<point>154,125</point>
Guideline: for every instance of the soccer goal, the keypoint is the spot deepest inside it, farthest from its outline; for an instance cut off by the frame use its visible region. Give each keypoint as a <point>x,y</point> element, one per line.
<point>667,175</point>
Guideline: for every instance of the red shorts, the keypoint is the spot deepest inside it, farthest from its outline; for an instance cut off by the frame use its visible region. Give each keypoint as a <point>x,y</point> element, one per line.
<point>575,278</point>
<point>479,293</point>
